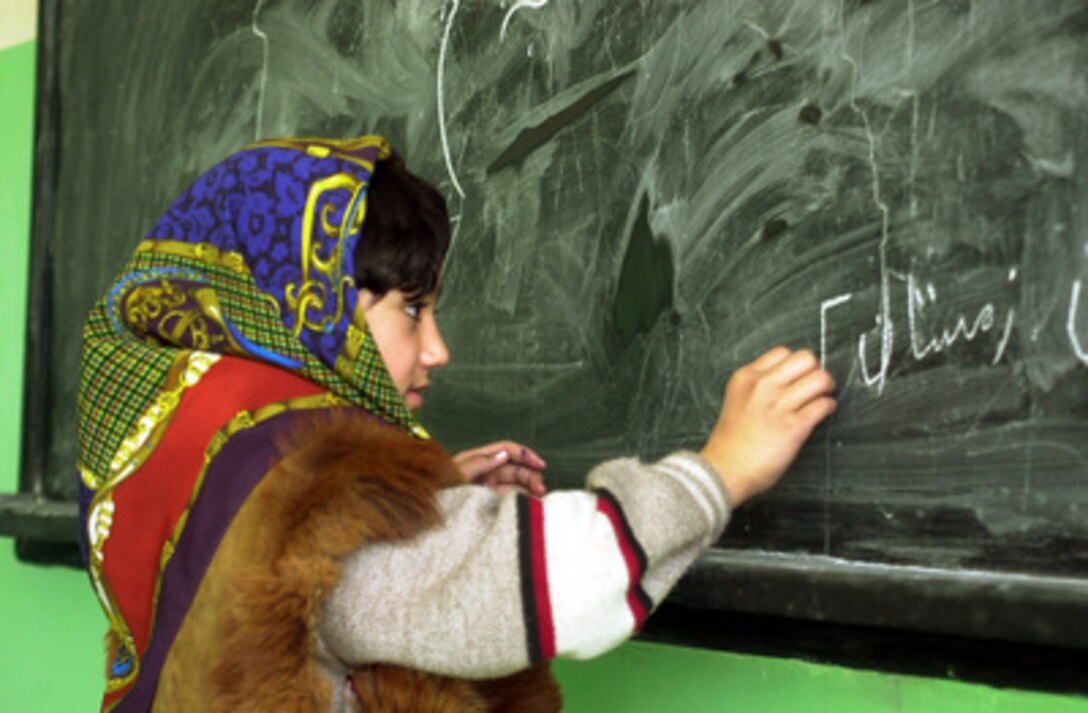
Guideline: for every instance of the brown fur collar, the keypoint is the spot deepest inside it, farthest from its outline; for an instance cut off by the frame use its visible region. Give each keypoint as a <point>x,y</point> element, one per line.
<point>347,480</point>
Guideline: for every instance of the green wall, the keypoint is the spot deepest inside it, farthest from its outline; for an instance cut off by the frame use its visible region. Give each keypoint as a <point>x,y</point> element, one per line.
<point>46,614</point>
<point>50,625</point>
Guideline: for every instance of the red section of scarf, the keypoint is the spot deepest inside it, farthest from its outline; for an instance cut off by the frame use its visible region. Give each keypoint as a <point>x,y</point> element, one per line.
<point>152,500</point>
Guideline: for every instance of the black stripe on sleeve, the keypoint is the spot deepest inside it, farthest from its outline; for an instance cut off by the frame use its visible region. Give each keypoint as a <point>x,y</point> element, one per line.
<point>528,597</point>
<point>628,533</point>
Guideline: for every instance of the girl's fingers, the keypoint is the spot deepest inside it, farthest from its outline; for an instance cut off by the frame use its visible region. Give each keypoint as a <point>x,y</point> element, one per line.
<point>768,360</point>
<point>474,464</point>
<point>516,452</point>
<point>512,477</point>
<point>797,365</point>
<point>817,410</point>
<point>807,388</point>
<point>524,455</point>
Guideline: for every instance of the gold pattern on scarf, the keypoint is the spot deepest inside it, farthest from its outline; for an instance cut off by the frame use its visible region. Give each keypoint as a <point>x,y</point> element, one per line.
<point>354,341</point>
<point>135,449</point>
<point>148,302</point>
<point>203,252</point>
<point>322,273</point>
<point>187,317</point>
<point>346,149</point>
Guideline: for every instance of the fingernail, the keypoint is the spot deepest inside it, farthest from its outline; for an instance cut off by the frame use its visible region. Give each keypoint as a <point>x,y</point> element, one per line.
<point>502,455</point>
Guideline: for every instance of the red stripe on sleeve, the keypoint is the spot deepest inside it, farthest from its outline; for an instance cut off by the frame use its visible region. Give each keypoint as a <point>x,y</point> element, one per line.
<point>541,592</point>
<point>635,599</point>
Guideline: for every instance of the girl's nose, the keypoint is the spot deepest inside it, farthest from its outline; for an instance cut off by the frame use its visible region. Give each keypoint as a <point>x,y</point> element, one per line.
<point>434,354</point>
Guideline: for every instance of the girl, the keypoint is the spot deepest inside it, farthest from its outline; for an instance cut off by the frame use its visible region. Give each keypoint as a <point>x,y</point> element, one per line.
<point>268,526</point>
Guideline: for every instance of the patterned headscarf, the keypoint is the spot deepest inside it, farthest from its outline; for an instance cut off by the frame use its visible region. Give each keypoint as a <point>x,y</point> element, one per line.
<point>252,269</point>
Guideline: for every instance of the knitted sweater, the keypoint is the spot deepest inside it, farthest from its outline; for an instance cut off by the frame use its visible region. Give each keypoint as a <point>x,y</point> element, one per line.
<point>508,581</point>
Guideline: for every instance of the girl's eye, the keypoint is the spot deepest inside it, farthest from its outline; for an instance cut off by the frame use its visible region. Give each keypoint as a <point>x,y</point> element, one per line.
<point>414,310</point>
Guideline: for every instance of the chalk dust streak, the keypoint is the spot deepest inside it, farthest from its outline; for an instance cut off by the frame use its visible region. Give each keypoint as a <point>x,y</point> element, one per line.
<point>454,7</point>
<point>259,133</point>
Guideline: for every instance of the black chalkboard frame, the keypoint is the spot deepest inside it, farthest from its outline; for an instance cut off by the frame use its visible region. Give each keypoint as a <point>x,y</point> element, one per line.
<point>956,624</point>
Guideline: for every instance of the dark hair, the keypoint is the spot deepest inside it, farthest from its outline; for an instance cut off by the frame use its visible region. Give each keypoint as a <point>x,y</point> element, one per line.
<point>406,233</point>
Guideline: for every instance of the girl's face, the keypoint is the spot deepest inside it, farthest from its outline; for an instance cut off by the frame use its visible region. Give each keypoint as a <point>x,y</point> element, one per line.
<point>408,339</point>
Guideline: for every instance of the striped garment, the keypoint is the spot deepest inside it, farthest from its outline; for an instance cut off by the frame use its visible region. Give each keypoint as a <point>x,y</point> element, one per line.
<point>512,580</point>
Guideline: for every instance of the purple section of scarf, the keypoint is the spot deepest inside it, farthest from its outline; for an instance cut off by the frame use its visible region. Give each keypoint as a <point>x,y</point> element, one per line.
<point>230,478</point>
<point>253,203</point>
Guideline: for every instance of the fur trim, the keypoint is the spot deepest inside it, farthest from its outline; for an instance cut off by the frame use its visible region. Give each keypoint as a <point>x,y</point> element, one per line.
<point>347,480</point>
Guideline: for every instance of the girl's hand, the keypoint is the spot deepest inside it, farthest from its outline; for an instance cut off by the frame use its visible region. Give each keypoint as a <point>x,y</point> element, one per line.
<point>504,466</point>
<point>770,408</point>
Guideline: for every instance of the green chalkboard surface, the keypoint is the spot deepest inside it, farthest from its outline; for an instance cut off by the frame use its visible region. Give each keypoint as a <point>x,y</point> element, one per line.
<point>647,195</point>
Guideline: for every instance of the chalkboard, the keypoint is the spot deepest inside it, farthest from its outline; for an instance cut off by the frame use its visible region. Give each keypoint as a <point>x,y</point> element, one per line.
<point>646,196</point>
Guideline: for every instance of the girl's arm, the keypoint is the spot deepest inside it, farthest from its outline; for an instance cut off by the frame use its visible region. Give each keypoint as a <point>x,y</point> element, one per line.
<point>510,580</point>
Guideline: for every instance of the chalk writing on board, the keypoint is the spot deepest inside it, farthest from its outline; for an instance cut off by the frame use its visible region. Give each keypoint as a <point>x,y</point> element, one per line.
<point>922,344</point>
<point>824,307</point>
<point>926,340</point>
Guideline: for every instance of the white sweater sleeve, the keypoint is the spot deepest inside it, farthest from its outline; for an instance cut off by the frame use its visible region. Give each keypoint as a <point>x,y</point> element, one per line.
<point>509,581</point>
